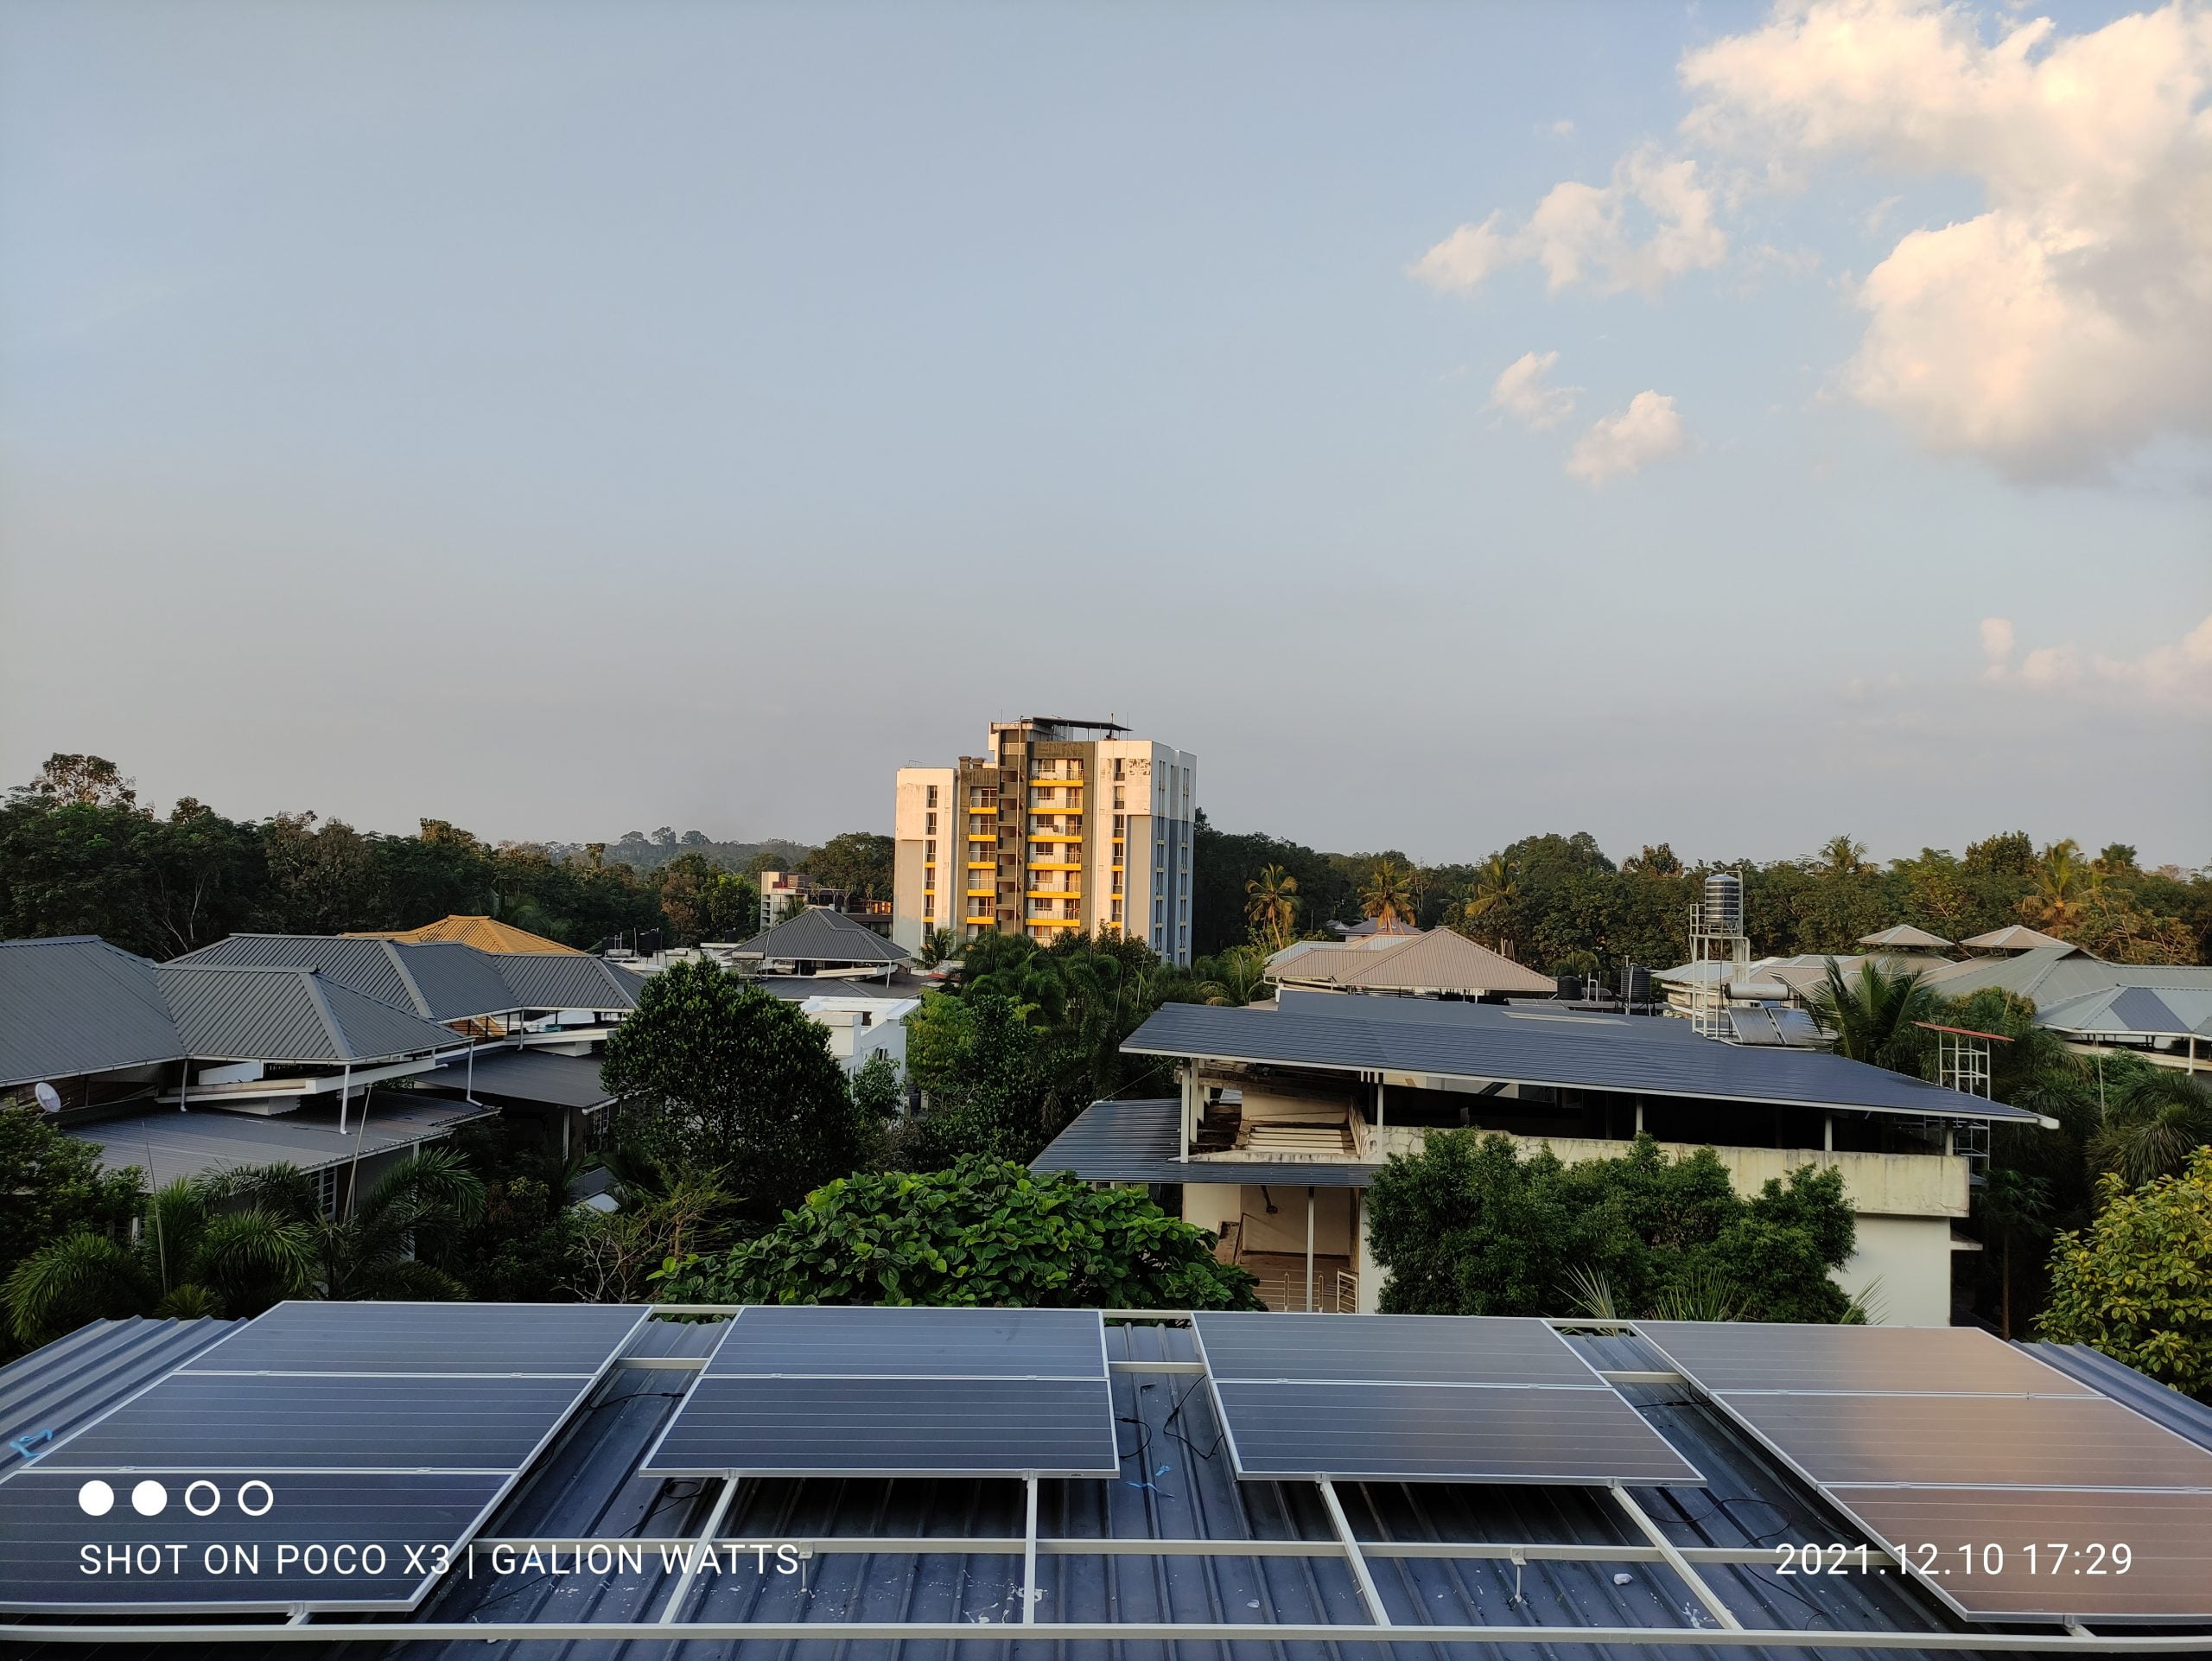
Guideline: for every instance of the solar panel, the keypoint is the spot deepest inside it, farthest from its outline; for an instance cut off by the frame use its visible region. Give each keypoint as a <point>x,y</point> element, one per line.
<point>557,1340</point>
<point>2004,1484</point>
<point>389,1429</point>
<point>1421,1399</point>
<point>809,1390</point>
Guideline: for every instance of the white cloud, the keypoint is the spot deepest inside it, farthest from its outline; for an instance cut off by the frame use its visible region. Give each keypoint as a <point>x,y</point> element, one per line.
<point>2071,321</point>
<point>1522,392</point>
<point>2177,673</point>
<point>1649,431</point>
<point>1653,221</point>
<point>1563,128</point>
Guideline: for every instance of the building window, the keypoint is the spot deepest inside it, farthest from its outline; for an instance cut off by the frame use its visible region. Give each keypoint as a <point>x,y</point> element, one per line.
<point>929,851</point>
<point>1187,784</point>
<point>1120,796</point>
<point>1118,765</point>
<point>930,823</point>
<point>1117,911</point>
<point>326,1190</point>
<point>932,800</point>
<point>928,905</point>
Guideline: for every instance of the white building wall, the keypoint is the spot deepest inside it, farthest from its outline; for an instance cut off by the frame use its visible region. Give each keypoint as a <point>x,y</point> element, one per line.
<point>1906,1262</point>
<point>912,834</point>
<point>1159,793</point>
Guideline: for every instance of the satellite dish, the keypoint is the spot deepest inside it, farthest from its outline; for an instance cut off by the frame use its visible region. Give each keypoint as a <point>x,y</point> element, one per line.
<point>49,1099</point>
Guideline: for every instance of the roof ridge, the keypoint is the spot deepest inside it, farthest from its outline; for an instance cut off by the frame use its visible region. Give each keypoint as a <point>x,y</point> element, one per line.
<point>406,976</point>
<point>342,1040</point>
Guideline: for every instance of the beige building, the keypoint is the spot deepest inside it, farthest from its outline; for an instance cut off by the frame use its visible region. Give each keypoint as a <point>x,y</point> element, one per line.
<point>1059,827</point>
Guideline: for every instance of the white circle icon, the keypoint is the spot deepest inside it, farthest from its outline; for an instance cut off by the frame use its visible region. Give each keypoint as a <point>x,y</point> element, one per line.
<point>96,1499</point>
<point>150,1499</point>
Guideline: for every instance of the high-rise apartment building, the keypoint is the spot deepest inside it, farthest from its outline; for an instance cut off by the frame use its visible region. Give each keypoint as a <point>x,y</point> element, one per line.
<point>1062,825</point>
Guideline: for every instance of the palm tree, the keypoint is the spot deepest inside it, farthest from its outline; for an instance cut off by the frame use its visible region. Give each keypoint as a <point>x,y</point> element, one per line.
<point>1841,856</point>
<point>1489,906</point>
<point>1388,895</point>
<point>2152,1127</point>
<point>231,1245</point>
<point>938,946</point>
<point>1870,1014</point>
<point>2062,881</point>
<point>370,1253</point>
<point>1271,907</point>
<point>2012,1204</point>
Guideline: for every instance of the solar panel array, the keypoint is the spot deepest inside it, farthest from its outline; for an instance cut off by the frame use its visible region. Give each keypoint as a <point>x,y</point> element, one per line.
<point>1422,1398</point>
<point>325,1456</point>
<point>808,1390</point>
<point>2012,1490</point>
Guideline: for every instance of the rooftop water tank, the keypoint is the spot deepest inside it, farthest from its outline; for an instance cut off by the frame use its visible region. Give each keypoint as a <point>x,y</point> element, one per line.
<point>1724,906</point>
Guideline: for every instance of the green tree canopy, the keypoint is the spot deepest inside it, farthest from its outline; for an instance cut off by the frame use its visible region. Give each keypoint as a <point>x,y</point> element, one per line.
<point>1471,1226</point>
<point>2137,1283</point>
<point>985,1233</point>
<point>857,864</point>
<point>52,1186</point>
<point>716,1075</point>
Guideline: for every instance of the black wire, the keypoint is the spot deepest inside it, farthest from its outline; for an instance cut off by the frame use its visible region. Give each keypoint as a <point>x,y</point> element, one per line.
<point>1168,1425</point>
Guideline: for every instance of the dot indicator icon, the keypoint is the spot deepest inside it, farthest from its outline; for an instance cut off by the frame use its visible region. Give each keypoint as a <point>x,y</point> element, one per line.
<point>150,1499</point>
<point>96,1499</point>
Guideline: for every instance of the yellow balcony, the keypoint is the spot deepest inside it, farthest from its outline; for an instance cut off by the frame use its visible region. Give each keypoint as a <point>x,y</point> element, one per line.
<point>1055,865</point>
<point>979,893</point>
<point>1055,835</point>
<point>982,836</point>
<point>1054,922</point>
<point>1053,894</point>
<point>983,865</point>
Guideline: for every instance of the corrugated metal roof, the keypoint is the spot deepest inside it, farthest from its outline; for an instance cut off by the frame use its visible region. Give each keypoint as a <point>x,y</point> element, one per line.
<point>527,1076</point>
<point>1526,1047</point>
<point>76,1004</point>
<point>2073,992</point>
<point>566,980</point>
<point>1139,1141</point>
<point>289,1014</point>
<point>440,982</point>
<point>2016,937</point>
<point>76,1378</point>
<point>1905,934</point>
<point>1438,961</point>
<point>485,934</point>
<point>823,934</point>
<point>206,1140</point>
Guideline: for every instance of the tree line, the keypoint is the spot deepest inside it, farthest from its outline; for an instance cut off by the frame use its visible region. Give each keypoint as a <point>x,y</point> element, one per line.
<point>1559,904</point>
<point>80,854</point>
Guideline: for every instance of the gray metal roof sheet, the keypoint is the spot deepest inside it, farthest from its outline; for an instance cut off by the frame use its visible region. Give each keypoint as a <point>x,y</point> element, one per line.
<point>565,980</point>
<point>205,1140</point>
<point>1539,1050</point>
<point>527,1076</point>
<point>290,1015</point>
<point>439,981</point>
<point>821,934</point>
<point>76,1005</point>
<point>51,1391</point>
<point>1137,1141</point>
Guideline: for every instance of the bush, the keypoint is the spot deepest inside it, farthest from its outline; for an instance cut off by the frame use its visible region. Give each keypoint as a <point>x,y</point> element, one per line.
<point>985,1232</point>
<point>2137,1283</point>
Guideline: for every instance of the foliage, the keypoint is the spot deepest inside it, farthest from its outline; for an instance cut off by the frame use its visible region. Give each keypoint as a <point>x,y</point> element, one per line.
<point>1272,908</point>
<point>717,1075</point>
<point>1388,895</point>
<point>877,1093</point>
<point>52,1187</point>
<point>1470,1225</point>
<point>983,1069</point>
<point>985,1233</point>
<point>1871,1014</point>
<point>701,900</point>
<point>2152,1125</point>
<point>2137,1284</point>
<point>665,1216</point>
<point>856,864</point>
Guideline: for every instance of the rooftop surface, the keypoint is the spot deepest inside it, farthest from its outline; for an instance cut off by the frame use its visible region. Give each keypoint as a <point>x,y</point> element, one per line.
<point>1264,1557</point>
<point>821,934</point>
<point>204,1140</point>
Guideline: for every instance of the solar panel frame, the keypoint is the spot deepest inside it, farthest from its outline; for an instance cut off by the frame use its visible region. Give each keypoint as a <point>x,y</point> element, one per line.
<point>502,1479</point>
<point>1349,1382</point>
<point>674,1452</point>
<point>265,1344</point>
<point>1862,1503</point>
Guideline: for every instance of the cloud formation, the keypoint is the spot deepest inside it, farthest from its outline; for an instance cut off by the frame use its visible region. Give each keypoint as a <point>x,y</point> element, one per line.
<point>2069,322</point>
<point>2177,673</point>
<point>1649,429</point>
<point>1522,392</point>
<point>1653,221</point>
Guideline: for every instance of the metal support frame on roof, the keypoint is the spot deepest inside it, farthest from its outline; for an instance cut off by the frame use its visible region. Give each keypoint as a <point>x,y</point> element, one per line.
<point>1029,1550</point>
<point>1370,1594</point>
<point>701,1548</point>
<point>1652,1531</point>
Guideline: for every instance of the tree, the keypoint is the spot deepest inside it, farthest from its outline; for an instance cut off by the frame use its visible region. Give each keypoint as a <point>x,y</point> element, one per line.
<point>1488,913</point>
<point>2010,853</point>
<point>985,1233</point>
<point>701,900</point>
<point>877,1094</point>
<point>1272,908</point>
<point>2154,1123</point>
<point>52,1187</point>
<point>2137,1283</point>
<point>229,1245</point>
<point>1870,1013</point>
<point>2061,884</point>
<point>1841,856</point>
<point>1388,895</point>
<point>370,1253</point>
<point>717,1075</point>
<point>856,864</point>
<point>2011,1206</point>
<point>79,781</point>
<point>983,1068</point>
<point>1470,1225</point>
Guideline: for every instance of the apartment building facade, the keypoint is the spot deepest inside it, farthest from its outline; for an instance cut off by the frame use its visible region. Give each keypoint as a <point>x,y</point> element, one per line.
<point>1060,826</point>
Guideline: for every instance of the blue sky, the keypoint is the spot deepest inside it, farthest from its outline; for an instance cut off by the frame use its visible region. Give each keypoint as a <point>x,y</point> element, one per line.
<point>574,419</point>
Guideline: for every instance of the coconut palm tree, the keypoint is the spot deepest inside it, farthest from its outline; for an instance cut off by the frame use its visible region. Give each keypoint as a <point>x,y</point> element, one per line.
<point>231,1244</point>
<point>1271,907</point>
<point>370,1253</point>
<point>1490,905</point>
<point>1869,1014</point>
<point>2063,882</point>
<point>1841,856</point>
<point>2151,1126</point>
<point>1389,892</point>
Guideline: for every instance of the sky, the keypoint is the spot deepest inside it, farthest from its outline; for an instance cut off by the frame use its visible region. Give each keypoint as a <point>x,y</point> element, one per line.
<point>1714,424</point>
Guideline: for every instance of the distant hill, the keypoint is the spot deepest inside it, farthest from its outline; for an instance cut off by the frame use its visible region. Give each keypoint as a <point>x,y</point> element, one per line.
<point>647,854</point>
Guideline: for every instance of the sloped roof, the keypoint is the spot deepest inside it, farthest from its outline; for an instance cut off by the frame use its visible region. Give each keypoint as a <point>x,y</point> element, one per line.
<point>201,1143</point>
<point>441,981</point>
<point>76,1004</point>
<point>227,1012</point>
<point>565,980</point>
<point>1536,1047</point>
<point>2016,938</point>
<point>1440,960</point>
<point>1905,935</point>
<point>527,1076</point>
<point>485,934</point>
<point>2134,1012</point>
<point>823,934</point>
<point>1136,1141</point>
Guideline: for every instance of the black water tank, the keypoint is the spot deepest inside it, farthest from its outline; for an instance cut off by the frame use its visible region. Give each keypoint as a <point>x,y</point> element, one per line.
<point>1639,983</point>
<point>1570,988</point>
